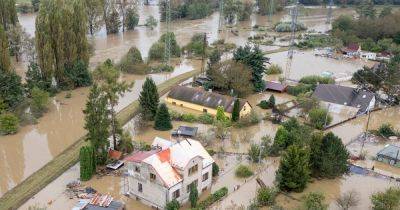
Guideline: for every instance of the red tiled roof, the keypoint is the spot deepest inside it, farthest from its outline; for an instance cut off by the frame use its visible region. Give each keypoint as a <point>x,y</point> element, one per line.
<point>352,47</point>
<point>140,156</point>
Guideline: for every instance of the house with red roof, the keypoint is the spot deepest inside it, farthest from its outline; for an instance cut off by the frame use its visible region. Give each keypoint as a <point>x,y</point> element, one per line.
<point>168,171</point>
<point>352,50</point>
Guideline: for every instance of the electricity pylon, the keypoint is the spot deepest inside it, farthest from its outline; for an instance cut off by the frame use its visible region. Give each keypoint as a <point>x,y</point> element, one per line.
<point>293,13</point>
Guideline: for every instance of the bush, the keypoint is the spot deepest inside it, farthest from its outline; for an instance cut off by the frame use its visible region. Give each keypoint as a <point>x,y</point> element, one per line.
<point>266,196</point>
<point>189,118</point>
<point>206,118</point>
<point>216,196</point>
<point>175,115</point>
<point>87,163</point>
<point>132,19</point>
<point>198,10</point>
<point>286,27</point>
<point>243,171</point>
<point>196,45</point>
<point>132,62</point>
<point>254,153</point>
<point>314,201</point>
<point>314,80</point>
<point>78,75</point>
<point>9,123</point>
<point>151,22</point>
<point>299,89</point>
<point>274,69</point>
<point>157,49</point>
<point>388,200</point>
<point>161,68</point>
<point>250,119</point>
<point>319,118</point>
<point>267,104</point>
<point>40,101</point>
<point>215,169</point>
<point>263,104</point>
<point>386,130</point>
<point>173,205</point>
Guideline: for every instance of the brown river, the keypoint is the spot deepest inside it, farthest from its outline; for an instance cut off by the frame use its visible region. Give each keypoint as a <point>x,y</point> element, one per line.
<point>35,145</point>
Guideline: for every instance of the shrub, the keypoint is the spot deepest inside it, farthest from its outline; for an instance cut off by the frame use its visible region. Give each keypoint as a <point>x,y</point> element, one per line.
<point>314,201</point>
<point>198,10</point>
<point>250,119</point>
<point>78,75</point>
<point>161,68</point>
<point>274,69</point>
<point>243,171</point>
<point>206,118</point>
<point>299,89</point>
<point>215,169</point>
<point>263,104</point>
<point>254,153</point>
<point>196,45</point>
<point>132,62</point>
<point>193,196</point>
<point>156,51</point>
<point>131,19</point>
<point>9,123</point>
<point>319,118</point>
<point>266,196</point>
<point>175,115</point>
<point>386,130</point>
<point>388,200</point>
<point>216,196</point>
<point>87,163</point>
<point>314,80</point>
<point>40,101</point>
<point>286,27</point>
<point>188,118</point>
<point>151,22</point>
<point>173,205</point>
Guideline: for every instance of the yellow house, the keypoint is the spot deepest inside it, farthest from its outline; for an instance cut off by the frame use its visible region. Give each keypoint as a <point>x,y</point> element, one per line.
<point>203,101</point>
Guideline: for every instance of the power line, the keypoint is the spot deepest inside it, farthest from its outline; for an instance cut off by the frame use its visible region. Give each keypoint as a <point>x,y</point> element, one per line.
<point>293,13</point>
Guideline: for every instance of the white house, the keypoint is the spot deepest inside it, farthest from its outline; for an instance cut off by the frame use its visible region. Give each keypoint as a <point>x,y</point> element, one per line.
<point>168,172</point>
<point>368,55</point>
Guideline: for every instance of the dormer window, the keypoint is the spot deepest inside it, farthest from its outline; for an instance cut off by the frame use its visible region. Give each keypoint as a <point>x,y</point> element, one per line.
<point>152,177</point>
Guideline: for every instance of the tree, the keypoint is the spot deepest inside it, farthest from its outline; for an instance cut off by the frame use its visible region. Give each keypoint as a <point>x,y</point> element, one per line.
<point>386,11</point>
<point>236,111</point>
<point>132,19</point>
<point>271,101</point>
<point>221,114</point>
<point>151,22</point>
<point>231,10</point>
<point>5,64</point>
<point>294,172</point>
<point>173,205</point>
<point>314,201</point>
<point>348,200</point>
<point>40,101</point>
<point>97,123</point>
<point>162,119</point>
<point>231,75</point>
<point>94,12</point>
<point>319,117</point>
<point>243,171</point>
<point>87,163</point>
<point>78,75</point>
<point>8,13</point>
<point>265,5</point>
<point>15,35</point>
<point>245,10</point>
<point>156,51</point>
<point>307,102</point>
<point>113,22</point>
<point>34,78</point>
<point>366,9</point>
<point>193,196</point>
<point>132,62</point>
<point>149,99</point>
<point>112,89</point>
<point>9,123</point>
<point>266,196</point>
<point>254,153</point>
<point>388,200</point>
<point>11,90</point>
<point>125,144</point>
<point>254,59</point>
<point>329,156</point>
<point>35,5</point>
<point>215,170</point>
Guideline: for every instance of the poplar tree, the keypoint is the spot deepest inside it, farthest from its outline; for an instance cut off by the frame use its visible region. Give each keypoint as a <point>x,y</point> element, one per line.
<point>87,163</point>
<point>294,172</point>
<point>162,119</point>
<point>4,53</point>
<point>8,13</point>
<point>97,123</point>
<point>149,99</point>
<point>236,110</point>
<point>112,21</point>
<point>94,12</point>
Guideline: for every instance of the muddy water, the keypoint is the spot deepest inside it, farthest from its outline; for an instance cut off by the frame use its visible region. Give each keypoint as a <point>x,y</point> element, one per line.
<point>35,145</point>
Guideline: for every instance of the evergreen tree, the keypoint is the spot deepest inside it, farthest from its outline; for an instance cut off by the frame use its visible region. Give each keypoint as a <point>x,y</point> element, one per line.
<point>112,89</point>
<point>40,101</point>
<point>149,99</point>
<point>97,123</point>
<point>294,172</point>
<point>35,5</point>
<point>94,12</point>
<point>253,58</point>
<point>271,101</point>
<point>5,64</point>
<point>34,78</point>
<point>162,119</point>
<point>11,90</point>
<point>87,163</point>
<point>334,156</point>
<point>113,22</point>
<point>236,111</point>
<point>9,123</point>
<point>173,205</point>
<point>132,19</point>
<point>78,74</point>
<point>193,196</point>
<point>8,13</point>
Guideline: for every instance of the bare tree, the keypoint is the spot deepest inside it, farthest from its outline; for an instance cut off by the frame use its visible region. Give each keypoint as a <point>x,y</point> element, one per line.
<point>348,200</point>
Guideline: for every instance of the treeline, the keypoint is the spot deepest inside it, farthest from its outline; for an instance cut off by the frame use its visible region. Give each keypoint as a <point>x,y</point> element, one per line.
<point>375,32</point>
<point>191,9</point>
<point>348,2</point>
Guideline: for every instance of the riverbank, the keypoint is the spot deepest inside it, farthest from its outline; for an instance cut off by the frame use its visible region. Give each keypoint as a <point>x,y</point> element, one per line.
<point>38,180</point>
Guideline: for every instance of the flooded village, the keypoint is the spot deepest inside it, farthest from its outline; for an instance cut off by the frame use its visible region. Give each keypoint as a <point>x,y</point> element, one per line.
<point>233,104</point>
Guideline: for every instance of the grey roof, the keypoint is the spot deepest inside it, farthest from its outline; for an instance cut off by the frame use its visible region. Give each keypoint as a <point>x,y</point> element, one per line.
<point>277,86</point>
<point>390,151</point>
<point>201,97</point>
<point>114,205</point>
<point>344,95</point>
<point>186,131</point>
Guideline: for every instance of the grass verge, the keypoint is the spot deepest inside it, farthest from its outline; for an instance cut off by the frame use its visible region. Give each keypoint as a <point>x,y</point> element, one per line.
<point>17,196</point>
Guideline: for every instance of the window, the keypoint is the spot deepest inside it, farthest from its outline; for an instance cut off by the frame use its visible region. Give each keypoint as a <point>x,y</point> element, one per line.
<point>152,177</point>
<point>193,184</point>
<point>176,194</point>
<point>205,176</point>
<point>140,187</point>
<point>193,170</point>
<point>205,110</point>
<point>137,169</point>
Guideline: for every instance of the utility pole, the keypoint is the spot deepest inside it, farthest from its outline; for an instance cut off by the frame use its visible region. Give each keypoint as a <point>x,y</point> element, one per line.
<point>203,57</point>
<point>366,132</point>
<point>293,13</point>
<point>329,15</point>
<point>167,50</point>
<point>271,10</point>
<point>221,20</point>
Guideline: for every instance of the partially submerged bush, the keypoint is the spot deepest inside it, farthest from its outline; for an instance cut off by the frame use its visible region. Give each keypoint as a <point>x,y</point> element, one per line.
<point>299,89</point>
<point>157,49</point>
<point>243,171</point>
<point>319,117</point>
<point>286,27</point>
<point>314,80</point>
<point>206,118</point>
<point>274,69</point>
<point>132,62</point>
<point>386,130</point>
<point>216,196</point>
<point>8,123</point>
<point>266,196</point>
